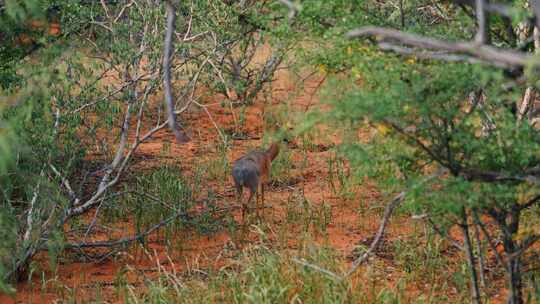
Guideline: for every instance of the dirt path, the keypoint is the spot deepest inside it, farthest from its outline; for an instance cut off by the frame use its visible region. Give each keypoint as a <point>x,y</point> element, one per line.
<point>351,221</point>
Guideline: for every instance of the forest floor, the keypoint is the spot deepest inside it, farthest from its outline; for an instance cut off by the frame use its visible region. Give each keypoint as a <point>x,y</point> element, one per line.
<point>352,219</point>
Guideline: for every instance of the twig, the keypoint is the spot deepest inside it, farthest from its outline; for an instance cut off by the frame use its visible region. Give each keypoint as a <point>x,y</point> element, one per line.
<point>317,268</point>
<point>445,235</point>
<point>30,216</point>
<point>111,94</point>
<point>401,14</point>
<point>74,199</point>
<point>212,120</point>
<point>94,219</point>
<point>526,105</point>
<point>526,244</point>
<point>531,202</point>
<point>491,244</point>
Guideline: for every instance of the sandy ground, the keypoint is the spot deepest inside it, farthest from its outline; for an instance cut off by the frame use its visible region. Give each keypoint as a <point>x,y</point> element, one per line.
<point>347,228</point>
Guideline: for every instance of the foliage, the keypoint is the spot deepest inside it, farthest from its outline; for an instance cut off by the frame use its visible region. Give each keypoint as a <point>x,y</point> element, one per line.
<point>427,114</point>
<point>263,277</point>
<point>80,100</point>
<point>79,104</point>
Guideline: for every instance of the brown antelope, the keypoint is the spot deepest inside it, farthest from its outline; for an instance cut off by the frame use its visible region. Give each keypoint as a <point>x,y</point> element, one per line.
<point>253,171</point>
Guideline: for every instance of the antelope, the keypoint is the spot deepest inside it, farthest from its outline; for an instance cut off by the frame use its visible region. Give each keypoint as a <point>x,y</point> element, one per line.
<point>253,171</point>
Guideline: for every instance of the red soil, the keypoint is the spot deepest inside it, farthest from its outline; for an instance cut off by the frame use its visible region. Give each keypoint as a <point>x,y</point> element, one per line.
<point>347,228</point>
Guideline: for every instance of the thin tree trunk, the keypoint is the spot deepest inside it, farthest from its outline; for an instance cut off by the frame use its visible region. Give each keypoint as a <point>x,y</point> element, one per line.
<point>475,290</point>
<point>508,221</point>
<point>482,34</point>
<point>481,264</point>
<point>402,14</point>
<point>514,268</point>
<point>168,49</point>
<point>513,265</point>
<point>526,105</point>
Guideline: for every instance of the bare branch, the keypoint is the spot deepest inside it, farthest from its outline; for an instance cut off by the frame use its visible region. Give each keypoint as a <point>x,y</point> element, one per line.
<point>65,182</point>
<point>317,268</point>
<point>494,176</point>
<point>212,120</point>
<point>492,55</point>
<point>30,215</point>
<point>140,236</point>
<point>434,55</point>
<point>101,190</point>
<point>489,239</point>
<point>378,236</point>
<point>531,202</point>
<point>445,235</point>
<point>386,217</point>
<point>526,244</point>
<point>294,9</point>
<point>113,93</point>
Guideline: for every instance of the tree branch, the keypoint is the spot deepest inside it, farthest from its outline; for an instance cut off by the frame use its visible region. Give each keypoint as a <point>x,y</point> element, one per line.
<point>494,176</point>
<point>140,236</point>
<point>492,55</point>
<point>489,239</point>
<point>386,217</point>
<point>434,55</point>
<point>447,237</point>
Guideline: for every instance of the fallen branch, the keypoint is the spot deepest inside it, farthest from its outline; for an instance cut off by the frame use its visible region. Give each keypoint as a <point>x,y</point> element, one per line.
<point>137,237</point>
<point>390,207</point>
<point>317,268</point>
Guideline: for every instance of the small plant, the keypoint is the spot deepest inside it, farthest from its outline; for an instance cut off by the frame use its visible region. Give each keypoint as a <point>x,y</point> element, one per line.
<point>262,277</point>
<point>282,167</point>
<point>339,177</point>
<point>219,168</point>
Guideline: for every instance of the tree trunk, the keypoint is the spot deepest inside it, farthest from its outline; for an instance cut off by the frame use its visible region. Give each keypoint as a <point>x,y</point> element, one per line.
<point>168,49</point>
<point>508,221</point>
<point>513,264</point>
<point>475,290</point>
<point>514,270</point>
